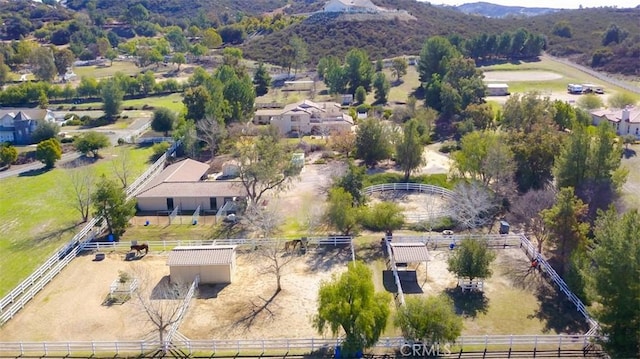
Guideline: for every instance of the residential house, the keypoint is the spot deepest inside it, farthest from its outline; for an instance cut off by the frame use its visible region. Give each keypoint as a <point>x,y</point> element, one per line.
<point>184,184</point>
<point>625,121</point>
<point>351,6</point>
<point>17,125</point>
<point>306,117</point>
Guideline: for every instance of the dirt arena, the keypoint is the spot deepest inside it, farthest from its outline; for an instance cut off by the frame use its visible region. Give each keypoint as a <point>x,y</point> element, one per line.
<point>71,306</point>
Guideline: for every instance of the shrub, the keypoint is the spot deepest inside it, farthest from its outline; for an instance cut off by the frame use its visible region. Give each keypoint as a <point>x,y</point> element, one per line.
<point>159,149</point>
<point>445,223</point>
<point>121,141</point>
<point>320,161</point>
<point>448,147</point>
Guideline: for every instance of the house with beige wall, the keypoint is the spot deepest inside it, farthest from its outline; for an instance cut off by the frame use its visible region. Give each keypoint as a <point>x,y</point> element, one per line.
<point>625,121</point>
<point>306,117</point>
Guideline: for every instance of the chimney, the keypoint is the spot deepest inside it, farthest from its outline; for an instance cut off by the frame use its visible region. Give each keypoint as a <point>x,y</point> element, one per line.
<point>625,114</point>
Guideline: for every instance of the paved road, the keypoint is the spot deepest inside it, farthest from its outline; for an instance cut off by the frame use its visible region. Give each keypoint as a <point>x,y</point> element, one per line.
<point>16,170</point>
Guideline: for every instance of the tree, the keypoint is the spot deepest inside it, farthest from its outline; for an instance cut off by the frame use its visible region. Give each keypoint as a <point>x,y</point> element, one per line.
<point>383,216</point>
<point>527,210</point>
<point>110,202</point>
<point>112,96</point>
<point>562,29</point>
<point>300,52</point>
<point>81,182</point>
<point>435,55</point>
<point>63,59</point>
<point>210,131</point>
<point>484,157</point>
<point>178,59</point>
<point>361,95</point>
<point>343,141</point>
<point>122,166</point>
<point>565,226</point>
<point>341,213</point>
<point>45,130</point>
<point>163,120</point>
<point>349,304</point>
<point>590,101</point>
<point>176,38</point>
<point>48,152</point>
<point>111,55</point>
<point>264,164</point>
<point>261,80</point>
<point>4,70</point>
<point>196,100</point>
<point>42,64</point>
<point>373,143</point>
<point>8,155</point>
<point>615,272</point>
<point>409,150</point>
<point>432,320</point>
<point>473,205</point>
<point>91,143</point>
<point>211,39</point>
<point>263,222</point>
<point>622,100</point>
<point>399,67</point>
<point>162,309</point>
<point>353,183</point>
<point>358,70</point>
<point>381,86</point>
<point>471,260</point>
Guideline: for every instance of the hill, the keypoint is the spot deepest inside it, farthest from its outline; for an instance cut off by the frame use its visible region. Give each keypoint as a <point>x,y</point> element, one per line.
<point>335,34</point>
<point>499,11</point>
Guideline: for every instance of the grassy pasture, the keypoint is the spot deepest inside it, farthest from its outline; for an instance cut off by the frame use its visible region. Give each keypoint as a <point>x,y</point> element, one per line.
<point>37,216</point>
<point>172,102</point>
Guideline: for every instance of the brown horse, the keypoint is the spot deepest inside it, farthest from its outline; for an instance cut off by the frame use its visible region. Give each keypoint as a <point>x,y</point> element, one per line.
<point>140,247</point>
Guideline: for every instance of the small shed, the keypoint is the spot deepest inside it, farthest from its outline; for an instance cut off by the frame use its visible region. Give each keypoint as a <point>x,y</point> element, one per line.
<point>497,89</point>
<point>214,264</point>
<point>230,169</point>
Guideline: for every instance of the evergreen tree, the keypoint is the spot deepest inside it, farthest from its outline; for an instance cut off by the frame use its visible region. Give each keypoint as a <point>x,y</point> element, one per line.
<point>261,80</point>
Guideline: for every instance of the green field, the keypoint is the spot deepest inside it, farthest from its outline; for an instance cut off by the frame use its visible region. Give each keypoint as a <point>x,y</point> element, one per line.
<point>126,67</point>
<point>172,102</point>
<point>37,216</point>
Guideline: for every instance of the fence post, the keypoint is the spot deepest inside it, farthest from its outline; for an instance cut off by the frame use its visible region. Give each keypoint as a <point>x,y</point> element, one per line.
<point>312,347</point>
<point>93,348</point>
<point>21,349</point>
<point>262,346</point>
<point>46,352</point>
<point>68,349</point>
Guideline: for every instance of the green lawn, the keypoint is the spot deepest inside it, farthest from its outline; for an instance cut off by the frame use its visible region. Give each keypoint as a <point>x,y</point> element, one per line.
<point>37,216</point>
<point>172,102</point>
<point>126,67</point>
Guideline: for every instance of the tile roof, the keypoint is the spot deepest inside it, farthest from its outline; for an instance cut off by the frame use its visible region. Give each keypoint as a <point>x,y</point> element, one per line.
<point>200,256</point>
<point>409,252</point>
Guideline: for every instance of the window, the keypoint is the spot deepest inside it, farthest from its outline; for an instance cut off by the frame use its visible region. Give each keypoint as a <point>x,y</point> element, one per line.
<point>170,204</point>
<point>213,203</point>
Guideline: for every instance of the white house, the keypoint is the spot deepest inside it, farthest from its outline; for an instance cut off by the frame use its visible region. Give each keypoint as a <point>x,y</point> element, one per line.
<point>625,121</point>
<point>306,117</point>
<point>351,6</point>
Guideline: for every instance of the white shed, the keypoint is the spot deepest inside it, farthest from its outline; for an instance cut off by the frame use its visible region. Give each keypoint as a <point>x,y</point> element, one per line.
<point>497,89</point>
<point>214,264</point>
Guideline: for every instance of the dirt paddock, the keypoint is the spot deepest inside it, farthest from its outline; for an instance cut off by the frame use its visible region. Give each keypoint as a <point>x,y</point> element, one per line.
<point>71,306</point>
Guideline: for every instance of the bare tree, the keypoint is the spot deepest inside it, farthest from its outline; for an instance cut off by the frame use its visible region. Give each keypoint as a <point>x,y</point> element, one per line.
<point>473,205</point>
<point>210,131</point>
<point>273,254</point>
<point>161,303</point>
<point>313,218</point>
<point>122,166</point>
<point>526,210</point>
<point>81,180</point>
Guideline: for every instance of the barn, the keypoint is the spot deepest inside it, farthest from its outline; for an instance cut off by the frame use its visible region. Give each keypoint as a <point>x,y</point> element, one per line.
<point>214,264</point>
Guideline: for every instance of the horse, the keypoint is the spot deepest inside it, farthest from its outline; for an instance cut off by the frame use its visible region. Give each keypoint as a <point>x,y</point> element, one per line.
<point>140,247</point>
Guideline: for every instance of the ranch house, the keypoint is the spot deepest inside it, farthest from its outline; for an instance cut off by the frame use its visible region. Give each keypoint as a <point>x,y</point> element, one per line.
<point>214,264</point>
<point>625,121</point>
<point>306,117</point>
<point>351,6</point>
<point>184,185</point>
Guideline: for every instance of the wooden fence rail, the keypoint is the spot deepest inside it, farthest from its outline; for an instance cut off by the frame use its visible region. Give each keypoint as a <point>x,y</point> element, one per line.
<point>93,348</point>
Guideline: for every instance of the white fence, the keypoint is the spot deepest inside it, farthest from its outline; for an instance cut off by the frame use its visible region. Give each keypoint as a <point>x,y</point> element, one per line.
<point>394,269</point>
<point>15,300</point>
<point>163,246</point>
<point>283,346</point>
<point>426,188</point>
<point>183,310</point>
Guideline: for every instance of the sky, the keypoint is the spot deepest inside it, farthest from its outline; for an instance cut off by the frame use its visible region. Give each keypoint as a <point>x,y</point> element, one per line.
<point>561,4</point>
